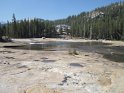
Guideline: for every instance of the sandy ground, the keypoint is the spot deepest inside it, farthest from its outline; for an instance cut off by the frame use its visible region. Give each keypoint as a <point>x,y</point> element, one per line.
<point>26,71</point>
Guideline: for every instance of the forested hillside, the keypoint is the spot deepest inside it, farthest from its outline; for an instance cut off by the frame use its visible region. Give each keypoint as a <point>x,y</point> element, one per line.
<point>102,23</point>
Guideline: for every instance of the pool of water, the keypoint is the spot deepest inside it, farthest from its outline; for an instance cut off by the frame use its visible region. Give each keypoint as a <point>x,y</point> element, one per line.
<point>60,46</point>
<point>110,52</point>
<point>76,65</point>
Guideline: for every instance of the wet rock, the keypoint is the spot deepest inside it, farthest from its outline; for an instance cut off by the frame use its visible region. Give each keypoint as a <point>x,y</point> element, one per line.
<point>10,57</point>
<point>5,39</point>
<point>86,55</point>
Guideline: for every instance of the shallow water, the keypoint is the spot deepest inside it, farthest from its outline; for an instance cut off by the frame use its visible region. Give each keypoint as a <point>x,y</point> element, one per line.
<point>115,57</point>
<point>60,46</point>
<point>76,65</point>
<point>114,53</point>
<point>110,52</point>
<point>48,61</point>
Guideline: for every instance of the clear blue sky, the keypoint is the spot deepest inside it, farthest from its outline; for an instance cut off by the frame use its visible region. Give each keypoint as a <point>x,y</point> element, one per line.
<point>47,9</point>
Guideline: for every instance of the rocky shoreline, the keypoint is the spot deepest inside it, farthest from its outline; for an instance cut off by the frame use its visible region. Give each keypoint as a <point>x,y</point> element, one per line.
<point>26,71</point>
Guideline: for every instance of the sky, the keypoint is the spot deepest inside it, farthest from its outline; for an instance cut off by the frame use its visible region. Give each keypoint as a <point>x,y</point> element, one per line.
<point>47,9</point>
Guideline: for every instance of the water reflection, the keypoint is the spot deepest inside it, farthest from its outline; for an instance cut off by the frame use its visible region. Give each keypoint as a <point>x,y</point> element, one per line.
<point>114,53</point>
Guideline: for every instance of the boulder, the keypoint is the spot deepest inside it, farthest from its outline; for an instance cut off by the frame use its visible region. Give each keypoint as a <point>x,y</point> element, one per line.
<point>5,39</point>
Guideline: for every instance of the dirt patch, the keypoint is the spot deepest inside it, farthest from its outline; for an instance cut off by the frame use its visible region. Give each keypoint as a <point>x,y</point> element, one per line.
<point>105,81</point>
<point>40,89</point>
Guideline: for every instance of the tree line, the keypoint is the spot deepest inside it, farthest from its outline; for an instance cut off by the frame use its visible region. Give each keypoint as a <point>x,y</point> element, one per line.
<point>28,28</point>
